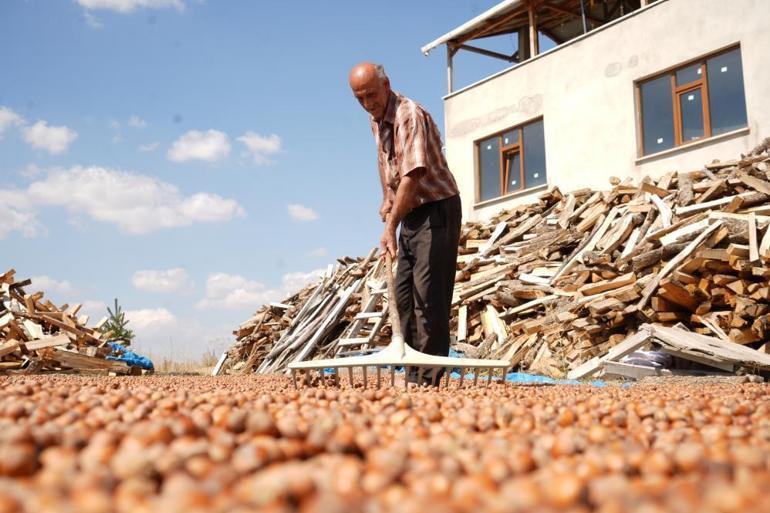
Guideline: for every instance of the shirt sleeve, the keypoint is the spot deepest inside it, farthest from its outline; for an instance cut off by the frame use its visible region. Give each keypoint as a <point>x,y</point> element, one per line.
<point>380,157</point>
<point>415,140</point>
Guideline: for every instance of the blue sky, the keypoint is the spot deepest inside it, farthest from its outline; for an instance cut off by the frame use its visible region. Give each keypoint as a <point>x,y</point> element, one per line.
<point>197,158</point>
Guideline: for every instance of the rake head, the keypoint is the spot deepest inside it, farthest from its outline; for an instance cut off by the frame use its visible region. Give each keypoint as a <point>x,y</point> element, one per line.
<point>398,354</point>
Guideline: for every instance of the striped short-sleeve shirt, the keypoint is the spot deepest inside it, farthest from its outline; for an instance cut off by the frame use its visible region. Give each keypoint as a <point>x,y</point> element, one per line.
<point>407,139</point>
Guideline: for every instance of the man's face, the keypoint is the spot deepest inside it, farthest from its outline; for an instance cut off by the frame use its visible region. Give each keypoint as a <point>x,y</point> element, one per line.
<point>373,96</point>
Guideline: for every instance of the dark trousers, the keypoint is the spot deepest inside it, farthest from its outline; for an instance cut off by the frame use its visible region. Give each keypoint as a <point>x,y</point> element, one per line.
<point>427,259</point>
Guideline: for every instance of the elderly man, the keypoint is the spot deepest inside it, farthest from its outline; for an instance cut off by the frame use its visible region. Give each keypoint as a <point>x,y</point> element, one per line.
<point>420,193</point>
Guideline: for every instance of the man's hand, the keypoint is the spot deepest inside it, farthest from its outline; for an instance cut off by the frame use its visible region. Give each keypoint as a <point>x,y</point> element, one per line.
<point>388,241</point>
<point>387,204</point>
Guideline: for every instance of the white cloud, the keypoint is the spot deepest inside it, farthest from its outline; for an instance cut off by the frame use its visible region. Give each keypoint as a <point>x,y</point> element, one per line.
<point>15,220</point>
<point>171,280</point>
<point>51,286</point>
<point>318,252</point>
<point>293,282</point>
<point>210,146</point>
<point>136,122</point>
<point>95,310</point>
<point>258,147</point>
<point>9,118</point>
<point>136,203</point>
<point>148,147</point>
<point>92,21</point>
<point>17,215</point>
<point>301,212</point>
<point>53,139</point>
<point>234,292</point>
<point>30,171</point>
<point>125,6</point>
<point>149,318</point>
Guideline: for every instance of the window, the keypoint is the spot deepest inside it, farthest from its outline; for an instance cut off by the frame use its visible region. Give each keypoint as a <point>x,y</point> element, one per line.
<point>511,161</point>
<point>692,102</point>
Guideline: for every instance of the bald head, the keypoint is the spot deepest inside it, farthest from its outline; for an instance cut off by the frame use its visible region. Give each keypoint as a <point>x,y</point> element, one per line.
<point>371,87</point>
<point>366,73</point>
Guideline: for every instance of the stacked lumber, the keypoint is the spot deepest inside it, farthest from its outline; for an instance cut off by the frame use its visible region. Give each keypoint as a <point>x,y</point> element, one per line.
<point>307,323</point>
<point>38,336</point>
<point>553,284</point>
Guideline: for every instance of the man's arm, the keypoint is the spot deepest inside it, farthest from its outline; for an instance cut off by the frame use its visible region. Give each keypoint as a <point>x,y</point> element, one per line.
<point>405,201</point>
<point>387,194</point>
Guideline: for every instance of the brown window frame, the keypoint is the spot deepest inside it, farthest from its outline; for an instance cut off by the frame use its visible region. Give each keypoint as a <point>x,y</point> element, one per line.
<point>677,90</point>
<point>503,152</point>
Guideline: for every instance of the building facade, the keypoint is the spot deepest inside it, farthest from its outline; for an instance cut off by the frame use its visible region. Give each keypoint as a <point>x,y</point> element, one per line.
<point>665,86</point>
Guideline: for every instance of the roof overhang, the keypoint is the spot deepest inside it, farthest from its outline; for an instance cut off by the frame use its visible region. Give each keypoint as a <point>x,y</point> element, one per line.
<point>469,27</point>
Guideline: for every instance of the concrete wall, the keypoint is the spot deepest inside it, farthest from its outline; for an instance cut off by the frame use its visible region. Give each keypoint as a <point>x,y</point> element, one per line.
<point>585,92</point>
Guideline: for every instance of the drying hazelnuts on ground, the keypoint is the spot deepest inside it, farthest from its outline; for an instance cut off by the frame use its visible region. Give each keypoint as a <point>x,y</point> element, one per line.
<point>243,444</point>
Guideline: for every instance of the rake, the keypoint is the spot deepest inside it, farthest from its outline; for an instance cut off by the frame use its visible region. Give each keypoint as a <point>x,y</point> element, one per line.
<point>398,354</point>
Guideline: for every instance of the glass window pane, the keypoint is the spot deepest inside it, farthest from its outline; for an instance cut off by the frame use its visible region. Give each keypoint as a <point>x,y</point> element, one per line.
<point>657,115</point>
<point>688,74</point>
<point>534,154</point>
<point>513,165</point>
<point>691,107</point>
<point>727,102</point>
<point>511,137</point>
<point>489,168</point>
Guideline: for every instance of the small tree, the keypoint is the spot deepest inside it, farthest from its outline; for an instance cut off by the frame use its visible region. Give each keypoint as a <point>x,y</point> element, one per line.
<point>117,324</point>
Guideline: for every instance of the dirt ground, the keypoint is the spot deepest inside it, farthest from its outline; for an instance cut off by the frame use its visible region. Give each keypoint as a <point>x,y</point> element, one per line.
<point>239,444</point>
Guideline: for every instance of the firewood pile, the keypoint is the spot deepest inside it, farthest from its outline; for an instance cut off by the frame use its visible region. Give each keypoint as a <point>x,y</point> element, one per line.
<point>38,336</point>
<point>310,322</point>
<point>554,284</point>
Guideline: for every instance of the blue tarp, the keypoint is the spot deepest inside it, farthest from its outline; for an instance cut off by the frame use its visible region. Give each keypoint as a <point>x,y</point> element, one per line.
<point>121,354</point>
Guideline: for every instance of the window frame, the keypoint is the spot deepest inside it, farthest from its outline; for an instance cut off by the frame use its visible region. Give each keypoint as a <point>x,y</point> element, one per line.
<point>502,153</point>
<point>677,90</point>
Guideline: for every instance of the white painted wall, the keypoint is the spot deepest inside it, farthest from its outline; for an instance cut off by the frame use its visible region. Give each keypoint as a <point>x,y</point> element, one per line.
<point>585,92</point>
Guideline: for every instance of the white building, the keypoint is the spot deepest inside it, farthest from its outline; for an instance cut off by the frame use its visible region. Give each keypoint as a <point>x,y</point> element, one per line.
<point>632,88</point>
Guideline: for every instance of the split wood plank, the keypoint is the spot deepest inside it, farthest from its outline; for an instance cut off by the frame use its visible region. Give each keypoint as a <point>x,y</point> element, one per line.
<point>674,262</point>
<point>598,234</point>
<point>81,361</point>
<point>680,211</point>
<point>701,345</point>
<point>9,346</point>
<point>604,286</point>
<point>684,231</point>
<point>627,370</point>
<point>530,305</point>
<point>42,343</point>
<point>663,209</point>
<point>753,246</point>
<point>629,345</point>
<point>66,327</point>
<point>462,323</point>
<point>685,194</point>
<point>657,191</point>
<point>755,183</point>
<point>566,212</point>
<point>630,243</point>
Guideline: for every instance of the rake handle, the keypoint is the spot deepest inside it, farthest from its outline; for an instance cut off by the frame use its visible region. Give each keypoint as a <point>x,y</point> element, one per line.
<point>395,320</point>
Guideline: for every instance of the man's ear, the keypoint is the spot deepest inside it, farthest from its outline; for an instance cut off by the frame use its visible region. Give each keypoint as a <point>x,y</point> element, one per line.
<point>386,83</point>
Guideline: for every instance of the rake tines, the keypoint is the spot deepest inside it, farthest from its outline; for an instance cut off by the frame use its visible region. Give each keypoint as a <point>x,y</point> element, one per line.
<point>398,354</point>
<point>427,375</point>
